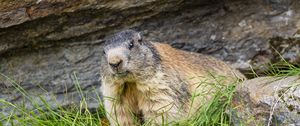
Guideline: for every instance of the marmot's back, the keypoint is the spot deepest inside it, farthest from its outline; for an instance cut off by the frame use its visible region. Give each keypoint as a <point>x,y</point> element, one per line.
<point>199,72</point>
<point>194,63</point>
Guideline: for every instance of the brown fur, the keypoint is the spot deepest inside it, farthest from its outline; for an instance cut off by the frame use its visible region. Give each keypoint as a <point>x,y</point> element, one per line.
<point>160,91</point>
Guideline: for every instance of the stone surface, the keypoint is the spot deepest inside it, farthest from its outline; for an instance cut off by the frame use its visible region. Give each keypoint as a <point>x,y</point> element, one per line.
<point>54,77</point>
<point>240,32</point>
<point>46,22</point>
<point>268,101</point>
<point>44,42</point>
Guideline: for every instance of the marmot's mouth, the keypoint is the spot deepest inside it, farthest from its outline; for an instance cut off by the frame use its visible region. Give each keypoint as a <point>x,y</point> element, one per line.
<point>122,74</point>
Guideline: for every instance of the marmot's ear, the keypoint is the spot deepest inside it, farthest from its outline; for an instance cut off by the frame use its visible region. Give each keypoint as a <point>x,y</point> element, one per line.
<point>138,37</point>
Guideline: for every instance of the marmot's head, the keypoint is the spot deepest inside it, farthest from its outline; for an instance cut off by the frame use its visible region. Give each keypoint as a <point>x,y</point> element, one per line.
<point>127,53</point>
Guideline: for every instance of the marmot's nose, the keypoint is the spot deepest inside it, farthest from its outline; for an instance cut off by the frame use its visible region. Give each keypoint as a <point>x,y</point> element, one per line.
<point>115,65</point>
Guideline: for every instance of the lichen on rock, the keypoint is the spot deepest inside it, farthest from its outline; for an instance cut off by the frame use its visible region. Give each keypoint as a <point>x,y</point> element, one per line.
<point>267,101</point>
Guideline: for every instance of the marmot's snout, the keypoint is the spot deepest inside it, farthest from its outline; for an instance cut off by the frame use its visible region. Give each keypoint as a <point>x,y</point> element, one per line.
<point>116,59</point>
<point>116,63</point>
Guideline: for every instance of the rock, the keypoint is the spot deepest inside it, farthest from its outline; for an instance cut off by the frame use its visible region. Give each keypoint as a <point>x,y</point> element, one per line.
<point>46,22</point>
<point>239,32</point>
<point>289,49</point>
<point>44,42</point>
<point>39,75</point>
<point>268,101</point>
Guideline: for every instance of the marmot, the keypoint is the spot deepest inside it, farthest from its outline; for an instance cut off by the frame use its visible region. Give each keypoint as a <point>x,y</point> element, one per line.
<point>152,82</point>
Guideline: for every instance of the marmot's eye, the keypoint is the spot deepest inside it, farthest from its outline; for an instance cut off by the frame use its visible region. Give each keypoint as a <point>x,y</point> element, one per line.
<point>104,52</point>
<point>140,40</point>
<point>130,45</point>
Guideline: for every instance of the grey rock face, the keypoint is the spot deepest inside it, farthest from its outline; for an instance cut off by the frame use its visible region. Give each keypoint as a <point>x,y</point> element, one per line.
<point>44,42</point>
<point>52,74</point>
<point>268,101</point>
<point>240,32</point>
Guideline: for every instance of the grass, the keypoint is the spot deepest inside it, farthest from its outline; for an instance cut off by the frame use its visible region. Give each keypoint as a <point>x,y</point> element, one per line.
<point>282,69</point>
<point>44,114</point>
<point>214,112</point>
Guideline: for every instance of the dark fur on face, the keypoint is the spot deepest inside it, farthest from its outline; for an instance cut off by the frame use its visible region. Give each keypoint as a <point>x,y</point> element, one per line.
<point>131,53</point>
<point>120,38</point>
